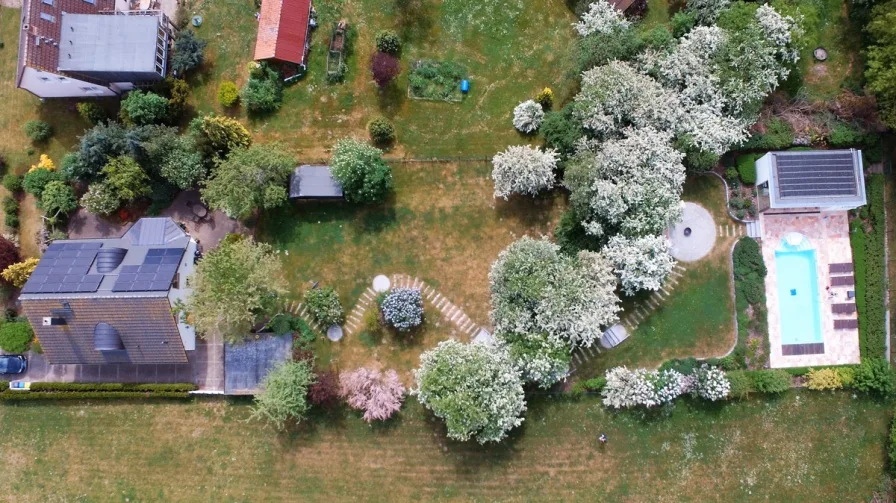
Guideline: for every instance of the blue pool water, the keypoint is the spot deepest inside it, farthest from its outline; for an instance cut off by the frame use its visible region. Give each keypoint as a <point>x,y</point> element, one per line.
<point>798,298</point>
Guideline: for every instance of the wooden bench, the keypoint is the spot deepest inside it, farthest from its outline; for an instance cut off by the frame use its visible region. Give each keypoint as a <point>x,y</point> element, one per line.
<point>843,281</point>
<point>843,308</point>
<point>840,268</point>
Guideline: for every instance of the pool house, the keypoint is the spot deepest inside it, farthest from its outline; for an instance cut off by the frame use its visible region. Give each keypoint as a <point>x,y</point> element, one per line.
<point>803,199</point>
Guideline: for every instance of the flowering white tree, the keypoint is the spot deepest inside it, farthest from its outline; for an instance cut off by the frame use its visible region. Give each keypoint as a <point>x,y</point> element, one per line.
<point>710,383</point>
<point>475,388</point>
<point>537,289</point>
<point>378,394</point>
<point>707,11</point>
<point>601,18</point>
<point>403,308</point>
<point>782,31</point>
<point>617,95</point>
<point>641,263</point>
<point>528,116</point>
<point>523,170</point>
<point>631,186</point>
<point>540,359</point>
<point>647,388</point>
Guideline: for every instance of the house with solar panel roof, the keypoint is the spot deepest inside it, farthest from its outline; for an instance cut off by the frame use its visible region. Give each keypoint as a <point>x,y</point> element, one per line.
<point>96,301</point>
<point>815,180</point>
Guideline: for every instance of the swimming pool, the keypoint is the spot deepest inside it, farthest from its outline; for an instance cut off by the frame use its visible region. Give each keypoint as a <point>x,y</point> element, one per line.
<point>798,298</point>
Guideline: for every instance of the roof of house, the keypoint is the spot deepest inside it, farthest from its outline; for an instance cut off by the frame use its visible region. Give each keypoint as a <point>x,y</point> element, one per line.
<point>816,179</point>
<point>40,34</point>
<point>92,43</point>
<point>283,30</point>
<point>106,330</point>
<point>622,5</point>
<point>142,263</point>
<point>313,182</point>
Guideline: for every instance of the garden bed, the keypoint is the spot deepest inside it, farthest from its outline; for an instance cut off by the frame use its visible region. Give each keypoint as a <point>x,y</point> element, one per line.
<point>436,81</point>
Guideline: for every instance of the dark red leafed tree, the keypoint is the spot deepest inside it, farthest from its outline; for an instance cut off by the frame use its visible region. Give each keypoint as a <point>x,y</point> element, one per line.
<point>385,68</point>
<point>9,253</point>
<point>325,391</point>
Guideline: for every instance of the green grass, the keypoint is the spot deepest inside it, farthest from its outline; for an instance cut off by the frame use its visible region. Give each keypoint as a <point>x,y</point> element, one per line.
<point>442,225</point>
<point>827,25</point>
<point>658,13</point>
<point>802,446</point>
<point>511,48</point>
<point>697,318</point>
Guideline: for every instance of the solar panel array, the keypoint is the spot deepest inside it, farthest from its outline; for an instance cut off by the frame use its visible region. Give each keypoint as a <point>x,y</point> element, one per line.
<point>155,274</point>
<point>816,174</point>
<point>63,269</point>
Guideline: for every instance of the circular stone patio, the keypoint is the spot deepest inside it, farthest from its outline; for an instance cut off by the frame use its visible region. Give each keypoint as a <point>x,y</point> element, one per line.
<point>689,246</point>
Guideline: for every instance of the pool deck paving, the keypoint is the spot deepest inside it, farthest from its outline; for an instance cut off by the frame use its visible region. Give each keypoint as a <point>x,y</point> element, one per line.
<point>828,232</point>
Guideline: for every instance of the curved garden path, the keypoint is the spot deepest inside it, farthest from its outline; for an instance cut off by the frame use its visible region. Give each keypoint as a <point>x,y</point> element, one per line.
<point>354,320</point>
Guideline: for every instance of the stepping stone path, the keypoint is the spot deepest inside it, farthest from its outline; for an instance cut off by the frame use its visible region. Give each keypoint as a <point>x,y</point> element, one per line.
<point>636,316</point>
<point>729,230</point>
<point>301,311</point>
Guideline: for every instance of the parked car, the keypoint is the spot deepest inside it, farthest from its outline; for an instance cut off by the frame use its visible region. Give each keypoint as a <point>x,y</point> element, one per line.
<point>12,364</point>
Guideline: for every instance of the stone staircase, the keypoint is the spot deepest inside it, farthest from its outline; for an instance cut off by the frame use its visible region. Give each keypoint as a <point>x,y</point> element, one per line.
<point>754,229</point>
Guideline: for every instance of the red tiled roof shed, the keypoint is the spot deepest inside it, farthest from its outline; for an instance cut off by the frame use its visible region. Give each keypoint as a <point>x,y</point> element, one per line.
<point>283,30</point>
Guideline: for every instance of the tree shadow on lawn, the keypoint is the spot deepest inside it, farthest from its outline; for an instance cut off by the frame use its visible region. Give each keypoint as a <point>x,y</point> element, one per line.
<point>416,20</point>
<point>527,211</point>
<point>391,98</point>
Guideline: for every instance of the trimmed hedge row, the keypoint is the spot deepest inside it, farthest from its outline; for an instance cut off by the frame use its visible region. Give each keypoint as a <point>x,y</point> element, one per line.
<point>20,396</point>
<point>77,391</point>
<point>108,386</point>
<point>872,323</point>
<point>891,445</point>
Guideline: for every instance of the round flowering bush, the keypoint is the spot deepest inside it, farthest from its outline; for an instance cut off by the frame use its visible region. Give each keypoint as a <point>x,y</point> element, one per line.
<point>710,383</point>
<point>403,308</point>
<point>668,385</point>
<point>528,116</point>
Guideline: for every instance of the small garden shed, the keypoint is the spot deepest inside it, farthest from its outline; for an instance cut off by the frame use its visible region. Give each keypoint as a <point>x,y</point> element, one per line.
<point>283,31</point>
<point>314,182</point>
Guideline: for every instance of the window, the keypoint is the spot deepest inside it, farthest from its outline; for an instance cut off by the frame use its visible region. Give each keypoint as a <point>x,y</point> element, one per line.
<point>48,17</point>
<point>63,79</point>
<point>91,1</point>
<point>48,2</point>
<point>45,79</point>
<point>91,89</point>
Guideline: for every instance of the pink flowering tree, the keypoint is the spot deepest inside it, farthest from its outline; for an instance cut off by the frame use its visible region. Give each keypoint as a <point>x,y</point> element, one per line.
<point>378,394</point>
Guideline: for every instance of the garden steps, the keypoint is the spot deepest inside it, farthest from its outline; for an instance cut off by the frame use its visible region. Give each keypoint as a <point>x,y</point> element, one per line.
<point>754,229</point>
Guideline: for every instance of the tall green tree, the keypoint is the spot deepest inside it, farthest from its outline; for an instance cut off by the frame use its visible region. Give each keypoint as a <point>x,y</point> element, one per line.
<point>248,179</point>
<point>126,178</point>
<point>881,57</point>
<point>57,199</point>
<point>234,286</point>
<point>140,108</point>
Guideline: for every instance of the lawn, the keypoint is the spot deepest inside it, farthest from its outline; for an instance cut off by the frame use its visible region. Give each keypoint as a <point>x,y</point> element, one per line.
<point>697,319</point>
<point>800,447</point>
<point>443,225</point>
<point>511,48</point>
<point>827,25</point>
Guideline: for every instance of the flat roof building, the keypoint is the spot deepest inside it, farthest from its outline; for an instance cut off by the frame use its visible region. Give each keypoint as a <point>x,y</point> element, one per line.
<point>815,180</point>
<point>314,182</point>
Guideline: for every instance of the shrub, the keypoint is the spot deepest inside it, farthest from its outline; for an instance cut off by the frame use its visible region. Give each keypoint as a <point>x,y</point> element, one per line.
<point>381,130</point>
<point>15,336</point>
<point>771,381</point>
<point>228,94</point>
<point>218,135</point>
<point>324,392</point>
<point>870,273</point>
<point>684,365</point>
<point>700,161</point>
<point>823,379</point>
<point>12,182</point>
<point>387,41</point>
<point>545,98</point>
<point>140,108</point>
<point>10,205</point>
<point>528,116</point>
<point>37,179</point>
<point>361,171</point>
<point>731,174</point>
<point>710,383</point>
<point>100,199</point>
<point>17,274</point>
<point>11,221</point>
<point>189,51</point>
<point>385,67</point>
<point>891,444</point>
<point>682,22</point>
<point>378,394</point>
<point>522,169</point>
<point>9,253</point>
<point>38,131</point>
<point>779,135</point>
<point>324,306</point>
<point>746,168</point>
<point>264,94</point>
<point>91,112</point>
<point>561,130</point>
<point>284,394</point>
<point>845,135</point>
<point>403,308</point>
<point>741,384</point>
<point>179,91</point>
<point>595,383</point>
<point>874,375</point>
<point>303,336</point>
<point>847,376</point>
<point>281,324</point>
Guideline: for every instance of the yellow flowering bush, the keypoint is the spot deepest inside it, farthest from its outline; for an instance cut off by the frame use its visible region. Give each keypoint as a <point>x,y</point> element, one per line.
<point>44,163</point>
<point>823,379</point>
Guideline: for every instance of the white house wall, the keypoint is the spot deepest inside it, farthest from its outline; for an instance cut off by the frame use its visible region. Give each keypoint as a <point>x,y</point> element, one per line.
<point>51,85</point>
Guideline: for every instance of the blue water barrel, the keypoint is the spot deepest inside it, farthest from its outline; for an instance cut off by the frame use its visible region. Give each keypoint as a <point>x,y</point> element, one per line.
<point>465,86</point>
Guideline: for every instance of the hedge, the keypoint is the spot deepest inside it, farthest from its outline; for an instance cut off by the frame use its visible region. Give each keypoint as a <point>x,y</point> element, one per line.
<point>778,136</point>
<point>746,168</point>
<point>749,291</point>
<point>891,445</point>
<point>11,395</point>
<point>869,257</point>
<point>109,386</point>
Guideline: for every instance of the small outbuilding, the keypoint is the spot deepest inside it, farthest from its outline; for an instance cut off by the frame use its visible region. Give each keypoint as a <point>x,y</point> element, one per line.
<point>314,182</point>
<point>813,180</point>
<point>283,31</point>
